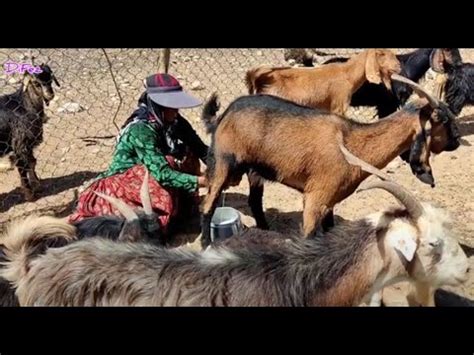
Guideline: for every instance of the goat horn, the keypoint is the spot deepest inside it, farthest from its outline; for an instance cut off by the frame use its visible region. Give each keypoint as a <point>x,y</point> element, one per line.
<point>121,206</point>
<point>353,160</point>
<point>414,208</point>
<point>145,195</point>
<point>433,101</point>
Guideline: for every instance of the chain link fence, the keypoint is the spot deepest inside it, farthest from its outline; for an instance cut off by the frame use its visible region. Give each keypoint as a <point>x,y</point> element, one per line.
<point>99,89</point>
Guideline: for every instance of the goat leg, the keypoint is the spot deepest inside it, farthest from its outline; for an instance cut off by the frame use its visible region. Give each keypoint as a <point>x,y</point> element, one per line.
<point>25,183</point>
<point>255,199</point>
<point>32,176</point>
<point>313,212</point>
<point>376,299</point>
<point>328,220</point>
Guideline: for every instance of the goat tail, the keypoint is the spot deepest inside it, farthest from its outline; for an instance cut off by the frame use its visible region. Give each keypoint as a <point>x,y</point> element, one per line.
<point>209,113</point>
<point>25,240</point>
<point>253,76</point>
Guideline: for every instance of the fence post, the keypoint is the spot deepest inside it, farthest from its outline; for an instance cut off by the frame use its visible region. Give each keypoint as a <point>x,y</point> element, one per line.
<point>164,60</point>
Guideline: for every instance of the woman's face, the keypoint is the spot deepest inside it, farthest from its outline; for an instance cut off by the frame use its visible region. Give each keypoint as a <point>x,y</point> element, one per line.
<point>169,114</point>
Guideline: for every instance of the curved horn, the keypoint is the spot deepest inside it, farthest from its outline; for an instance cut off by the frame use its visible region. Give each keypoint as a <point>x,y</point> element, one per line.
<point>353,160</point>
<point>123,208</point>
<point>433,101</point>
<point>414,208</point>
<point>145,195</point>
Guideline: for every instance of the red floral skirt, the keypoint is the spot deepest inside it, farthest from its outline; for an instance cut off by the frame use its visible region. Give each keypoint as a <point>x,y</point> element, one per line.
<point>126,186</point>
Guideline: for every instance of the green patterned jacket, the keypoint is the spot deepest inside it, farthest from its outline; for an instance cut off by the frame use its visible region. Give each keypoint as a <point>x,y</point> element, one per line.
<point>139,145</point>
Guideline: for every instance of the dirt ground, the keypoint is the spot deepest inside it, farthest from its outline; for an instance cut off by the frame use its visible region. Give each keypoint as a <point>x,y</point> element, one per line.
<point>69,157</point>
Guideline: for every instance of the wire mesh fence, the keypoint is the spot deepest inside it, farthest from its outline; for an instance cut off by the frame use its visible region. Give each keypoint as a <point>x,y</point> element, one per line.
<point>99,90</point>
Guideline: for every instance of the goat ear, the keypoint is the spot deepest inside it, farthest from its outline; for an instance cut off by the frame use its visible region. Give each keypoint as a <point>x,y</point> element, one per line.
<point>404,242</point>
<point>437,60</point>
<point>372,69</point>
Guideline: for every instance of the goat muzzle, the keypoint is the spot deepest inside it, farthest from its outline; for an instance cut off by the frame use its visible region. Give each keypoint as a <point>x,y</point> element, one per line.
<point>427,178</point>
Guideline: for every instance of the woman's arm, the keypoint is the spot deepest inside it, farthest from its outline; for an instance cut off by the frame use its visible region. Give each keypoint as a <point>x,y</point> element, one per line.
<point>143,138</point>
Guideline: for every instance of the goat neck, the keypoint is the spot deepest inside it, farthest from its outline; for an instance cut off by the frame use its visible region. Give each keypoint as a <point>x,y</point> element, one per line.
<point>381,142</point>
<point>356,70</point>
<point>344,276</point>
<point>32,102</point>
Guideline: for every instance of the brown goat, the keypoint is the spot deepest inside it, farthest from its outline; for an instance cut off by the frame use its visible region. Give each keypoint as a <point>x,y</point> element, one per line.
<point>266,136</point>
<point>330,86</point>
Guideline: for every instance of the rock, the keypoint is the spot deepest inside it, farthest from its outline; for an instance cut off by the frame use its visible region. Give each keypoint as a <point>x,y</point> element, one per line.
<point>70,107</point>
<point>291,61</point>
<point>13,80</point>
<point>196,85</point>
<point>259,53</point>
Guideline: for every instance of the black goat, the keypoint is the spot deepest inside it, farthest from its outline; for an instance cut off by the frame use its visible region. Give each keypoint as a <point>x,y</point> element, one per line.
<point>133,226</point>
<point>459,87</point>
<point>21,124</point>
<point>414,65</point>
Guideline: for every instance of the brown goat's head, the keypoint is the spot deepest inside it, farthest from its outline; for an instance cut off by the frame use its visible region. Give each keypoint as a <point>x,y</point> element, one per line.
<point>442,59</point>
<point>438,133</point>
<point>380,64</point>
<point>41,83</point>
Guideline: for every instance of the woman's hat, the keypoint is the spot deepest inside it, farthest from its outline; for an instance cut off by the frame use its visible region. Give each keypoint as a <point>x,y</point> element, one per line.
<point>166,91</point>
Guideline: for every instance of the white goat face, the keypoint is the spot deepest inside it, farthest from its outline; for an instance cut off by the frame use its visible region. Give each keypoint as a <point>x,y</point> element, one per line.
<point>440,259</point>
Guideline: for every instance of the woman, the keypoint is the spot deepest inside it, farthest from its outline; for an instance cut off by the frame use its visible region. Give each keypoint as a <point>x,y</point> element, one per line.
<point>158,138</point>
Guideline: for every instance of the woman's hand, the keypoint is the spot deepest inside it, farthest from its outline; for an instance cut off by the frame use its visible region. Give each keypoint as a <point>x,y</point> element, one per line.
<point>202,181</point>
